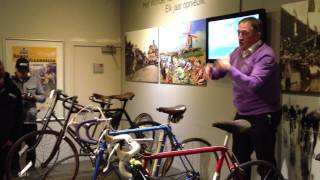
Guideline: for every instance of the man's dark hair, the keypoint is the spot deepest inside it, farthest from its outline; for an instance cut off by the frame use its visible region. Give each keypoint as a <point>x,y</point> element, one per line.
<point>256,24</point>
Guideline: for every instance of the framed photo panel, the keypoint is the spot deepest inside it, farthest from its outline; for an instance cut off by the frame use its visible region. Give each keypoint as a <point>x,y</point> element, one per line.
<point>142,55</point>
<point>46,64</point>
<point>183,53</point>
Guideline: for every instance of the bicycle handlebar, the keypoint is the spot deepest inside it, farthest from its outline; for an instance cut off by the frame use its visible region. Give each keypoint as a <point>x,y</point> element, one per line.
<point>125,156</point>
<point>71,104</point>
<point>87,125</point>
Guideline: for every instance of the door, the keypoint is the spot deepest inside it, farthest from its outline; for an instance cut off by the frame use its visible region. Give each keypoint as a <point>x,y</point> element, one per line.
<point>95,72</point>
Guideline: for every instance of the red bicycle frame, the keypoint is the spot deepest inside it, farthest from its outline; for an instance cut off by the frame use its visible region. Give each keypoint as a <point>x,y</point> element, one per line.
<point>225,155</point>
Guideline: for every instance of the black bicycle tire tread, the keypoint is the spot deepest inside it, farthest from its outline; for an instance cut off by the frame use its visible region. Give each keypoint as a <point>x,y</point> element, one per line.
<point>16,145</point>
<point>136,120</point>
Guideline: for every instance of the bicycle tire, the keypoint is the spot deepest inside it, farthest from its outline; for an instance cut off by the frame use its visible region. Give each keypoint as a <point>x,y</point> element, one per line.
<point>46,141</point>
<point>143,117</point>
<point>240,172</point>
<point>195,166</point>
<point>40,125</point>
<point>151,147</point>
<point>111,174</point>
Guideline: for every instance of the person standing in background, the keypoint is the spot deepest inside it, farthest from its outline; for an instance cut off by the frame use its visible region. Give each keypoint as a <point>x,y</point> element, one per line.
<point>32,92</point>
<point>11,113</point>
<point>255,76</point>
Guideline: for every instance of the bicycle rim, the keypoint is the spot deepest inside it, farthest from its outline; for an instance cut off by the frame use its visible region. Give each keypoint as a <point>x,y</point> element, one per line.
<point>21,165</point>
<point>195,166</point>
<point>256,169</point>
<point>143,117</point>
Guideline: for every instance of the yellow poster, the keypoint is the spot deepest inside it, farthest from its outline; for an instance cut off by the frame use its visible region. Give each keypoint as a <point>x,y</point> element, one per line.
<point>43,67</point>
<point>35,54</point>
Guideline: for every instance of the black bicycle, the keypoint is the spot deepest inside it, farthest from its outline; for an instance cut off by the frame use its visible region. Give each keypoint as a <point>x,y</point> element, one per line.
<point>120,117</point>
<point>54,141</point>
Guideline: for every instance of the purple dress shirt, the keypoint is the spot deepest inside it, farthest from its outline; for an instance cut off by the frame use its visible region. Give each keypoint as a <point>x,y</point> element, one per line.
<point>256,81</point>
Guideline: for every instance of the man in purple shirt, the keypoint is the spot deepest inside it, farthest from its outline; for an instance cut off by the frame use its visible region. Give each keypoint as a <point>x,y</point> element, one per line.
<point>256,91</point>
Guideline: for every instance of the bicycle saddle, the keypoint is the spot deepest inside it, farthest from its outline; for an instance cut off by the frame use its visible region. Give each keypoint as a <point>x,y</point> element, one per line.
<point>121,97</point>
<point>175,113</point>
<point>233,126</point>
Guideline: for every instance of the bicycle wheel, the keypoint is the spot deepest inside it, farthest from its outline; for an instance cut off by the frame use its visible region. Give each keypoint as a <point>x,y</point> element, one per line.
<point>33,154</point>
<point>111,174</point>
<point>143,117</point>
<point>157,140</point>
<point>49,126</point>
<point>256,169</point>
<point>194,166</point>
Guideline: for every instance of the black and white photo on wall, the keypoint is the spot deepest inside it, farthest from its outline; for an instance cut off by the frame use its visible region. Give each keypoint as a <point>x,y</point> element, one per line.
<point>300,47</point>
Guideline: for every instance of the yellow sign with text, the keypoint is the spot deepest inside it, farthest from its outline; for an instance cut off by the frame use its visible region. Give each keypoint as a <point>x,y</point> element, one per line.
<point>35,54</point>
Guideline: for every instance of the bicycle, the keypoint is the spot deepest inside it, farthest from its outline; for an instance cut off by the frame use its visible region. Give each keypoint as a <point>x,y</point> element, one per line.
<point>116,114</point>
<point>47,146</point>
<point>49,142</point>
<point>160,138</point>
<point>137,164</point>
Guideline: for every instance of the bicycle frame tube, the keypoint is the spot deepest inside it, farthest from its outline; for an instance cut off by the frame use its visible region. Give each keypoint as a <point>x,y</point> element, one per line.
<point>224,156</point>
<point>160,148</point>
<point>61,134</point>
<point>128,118</point>
<point>127,131</point>
<point>137,130</point>
<point>98,161</point>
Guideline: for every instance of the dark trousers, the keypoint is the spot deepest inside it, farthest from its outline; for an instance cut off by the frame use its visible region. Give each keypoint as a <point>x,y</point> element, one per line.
<point>261,137</point>
<point>3,154</point>
<point>31,155</point>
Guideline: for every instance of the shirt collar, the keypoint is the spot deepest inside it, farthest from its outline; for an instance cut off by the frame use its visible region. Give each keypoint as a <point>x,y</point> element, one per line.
<point>251,49</point>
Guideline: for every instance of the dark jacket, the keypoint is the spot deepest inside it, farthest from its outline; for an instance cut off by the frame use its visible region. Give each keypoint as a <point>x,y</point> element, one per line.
<point>11,111</point>
<point>32,87</point>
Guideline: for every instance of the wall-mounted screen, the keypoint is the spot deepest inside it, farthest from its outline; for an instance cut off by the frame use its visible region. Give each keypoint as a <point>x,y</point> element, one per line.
<point>222,33</point>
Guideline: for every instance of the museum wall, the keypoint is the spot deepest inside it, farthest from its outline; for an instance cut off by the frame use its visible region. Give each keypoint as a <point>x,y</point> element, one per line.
<point>103,22</point>
<point>204,104</point>
<point>73,22</point>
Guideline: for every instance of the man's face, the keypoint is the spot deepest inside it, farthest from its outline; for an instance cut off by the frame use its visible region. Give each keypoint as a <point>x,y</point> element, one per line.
<point>246,35</point>
<point>22,74</point>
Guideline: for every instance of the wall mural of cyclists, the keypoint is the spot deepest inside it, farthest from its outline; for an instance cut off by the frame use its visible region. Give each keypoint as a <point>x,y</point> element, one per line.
<point>182,49</point>
<point>142,55</point>
<point>171,54</point>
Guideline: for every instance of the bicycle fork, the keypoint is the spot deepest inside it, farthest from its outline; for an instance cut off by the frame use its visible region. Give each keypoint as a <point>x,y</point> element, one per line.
<point>98,160</point>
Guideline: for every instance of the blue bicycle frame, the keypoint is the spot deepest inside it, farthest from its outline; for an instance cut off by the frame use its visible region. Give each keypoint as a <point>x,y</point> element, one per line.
<point>165,128</point>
